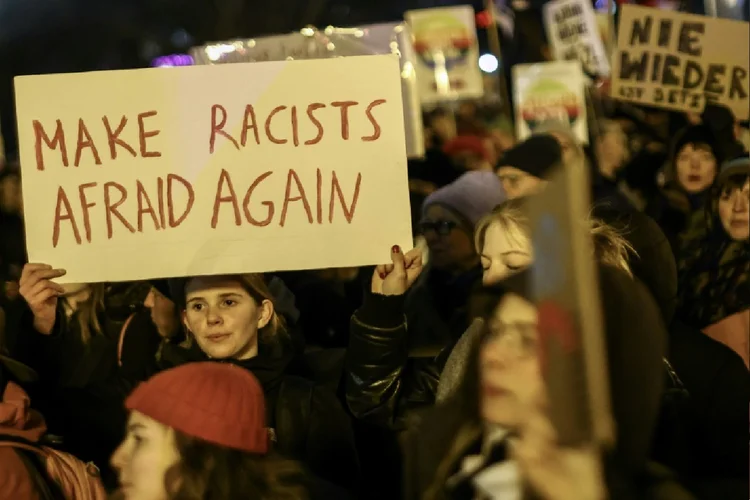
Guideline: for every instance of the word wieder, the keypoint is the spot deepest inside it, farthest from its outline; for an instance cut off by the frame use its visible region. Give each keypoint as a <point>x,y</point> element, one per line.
<point>158,209</point>
<point>691,81</point>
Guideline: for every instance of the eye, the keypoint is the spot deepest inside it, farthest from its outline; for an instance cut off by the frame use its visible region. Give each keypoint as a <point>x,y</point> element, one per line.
<point>196,307</point>
<point>230,302</point>
<point>514,268</point>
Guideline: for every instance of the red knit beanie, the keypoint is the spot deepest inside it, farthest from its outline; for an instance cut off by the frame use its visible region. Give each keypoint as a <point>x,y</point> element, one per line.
<point>219,403</point>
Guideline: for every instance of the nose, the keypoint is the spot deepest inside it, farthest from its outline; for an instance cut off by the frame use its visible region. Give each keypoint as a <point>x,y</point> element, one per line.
<point>150,301</point>
<point>118,457</point>
<point>498,352</point>
<point>741,203</point>
<point>431,236</point>
<point>213,317</point>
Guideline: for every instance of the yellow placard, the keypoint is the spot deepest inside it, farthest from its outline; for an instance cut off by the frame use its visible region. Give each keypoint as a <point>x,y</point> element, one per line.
<point>681,61</point>
<point>257,167</point>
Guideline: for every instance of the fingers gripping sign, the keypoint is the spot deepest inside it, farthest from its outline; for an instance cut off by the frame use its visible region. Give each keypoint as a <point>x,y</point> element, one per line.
<point>41,293</point>
<point>397,277</point>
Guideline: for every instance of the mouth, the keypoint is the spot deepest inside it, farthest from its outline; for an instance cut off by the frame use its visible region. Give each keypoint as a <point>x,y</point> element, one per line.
<point>217,337</point>
<point>494,391</point>
<point>694,178</point>
<point>739,224</point>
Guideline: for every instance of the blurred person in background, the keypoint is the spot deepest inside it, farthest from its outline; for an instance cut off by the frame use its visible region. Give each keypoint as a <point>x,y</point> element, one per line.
<point>702,430</point>
<point>715,275</point>
<point>522,168</point>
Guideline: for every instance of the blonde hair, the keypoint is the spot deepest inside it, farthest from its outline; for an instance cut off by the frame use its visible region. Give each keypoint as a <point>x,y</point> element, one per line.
<point>610,248</point>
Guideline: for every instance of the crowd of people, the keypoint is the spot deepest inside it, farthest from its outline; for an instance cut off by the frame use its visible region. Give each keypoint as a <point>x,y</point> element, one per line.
<point>420,378</point>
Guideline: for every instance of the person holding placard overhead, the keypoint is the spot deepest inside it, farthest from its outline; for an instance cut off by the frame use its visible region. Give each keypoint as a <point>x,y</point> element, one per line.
<point>393,368</point>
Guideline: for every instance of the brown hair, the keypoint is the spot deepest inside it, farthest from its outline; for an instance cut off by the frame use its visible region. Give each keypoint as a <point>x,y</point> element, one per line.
<point>209,472</point>
<point>87,312</point>
<point>257,287</point>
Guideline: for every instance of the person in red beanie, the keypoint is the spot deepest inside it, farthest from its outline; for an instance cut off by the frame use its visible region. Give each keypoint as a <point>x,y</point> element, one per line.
<point>238,320</point>
<point>198,431</point>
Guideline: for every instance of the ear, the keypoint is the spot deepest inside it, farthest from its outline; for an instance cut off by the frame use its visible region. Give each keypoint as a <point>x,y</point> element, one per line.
<point>265,313</point>
<point>183,315</point>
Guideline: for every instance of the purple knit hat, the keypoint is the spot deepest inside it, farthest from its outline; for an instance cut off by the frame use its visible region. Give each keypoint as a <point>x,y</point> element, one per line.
<point>472,196</point>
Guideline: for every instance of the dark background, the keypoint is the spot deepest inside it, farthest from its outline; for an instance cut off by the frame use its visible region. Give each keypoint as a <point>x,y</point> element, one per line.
<point>55,36</point>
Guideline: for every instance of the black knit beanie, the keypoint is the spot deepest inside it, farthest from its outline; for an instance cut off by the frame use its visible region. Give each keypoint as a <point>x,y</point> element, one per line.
<point>535,156</point>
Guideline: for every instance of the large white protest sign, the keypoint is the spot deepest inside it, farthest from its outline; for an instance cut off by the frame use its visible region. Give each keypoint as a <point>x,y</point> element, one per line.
<point>681,61</point>
<point>214,169</point>
<point>573,33</point>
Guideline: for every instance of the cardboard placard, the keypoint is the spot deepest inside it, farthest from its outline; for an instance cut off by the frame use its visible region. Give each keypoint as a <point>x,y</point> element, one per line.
<point>679,61</point>
<point>214,169</point>
<point>550,92</point>
<point>447,52</point>
<point>571,336</point>
<point>573,32</point>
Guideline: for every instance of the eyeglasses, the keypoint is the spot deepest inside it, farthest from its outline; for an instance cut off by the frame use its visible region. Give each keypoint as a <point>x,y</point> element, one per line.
<point>521,338</point>
<point>441,227</point>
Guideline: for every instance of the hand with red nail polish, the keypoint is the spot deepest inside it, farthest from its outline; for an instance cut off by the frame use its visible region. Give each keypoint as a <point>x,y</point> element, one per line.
<point>397,277</point>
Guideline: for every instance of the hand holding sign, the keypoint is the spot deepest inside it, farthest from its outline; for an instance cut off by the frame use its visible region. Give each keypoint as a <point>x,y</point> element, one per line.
<point>41,294</point>
<point>552,471</point>
<point>396,278</point>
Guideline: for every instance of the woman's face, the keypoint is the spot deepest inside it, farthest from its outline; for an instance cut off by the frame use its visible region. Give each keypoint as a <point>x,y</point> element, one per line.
<point>450,245</point>
<point>144,457</point>
<point>517,183</point>
<point>734,212</point>
<point>224,318</point>
<point>507,249</point>
<point>509,372</point>
<point>695,165</point>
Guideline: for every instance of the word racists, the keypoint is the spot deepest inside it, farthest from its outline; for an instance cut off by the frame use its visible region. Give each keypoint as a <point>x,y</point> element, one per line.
<point>217,169</point>
<point>682,61</point>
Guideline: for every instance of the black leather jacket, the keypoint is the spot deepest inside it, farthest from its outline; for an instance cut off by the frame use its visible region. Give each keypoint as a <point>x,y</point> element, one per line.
<point>398,346</point>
